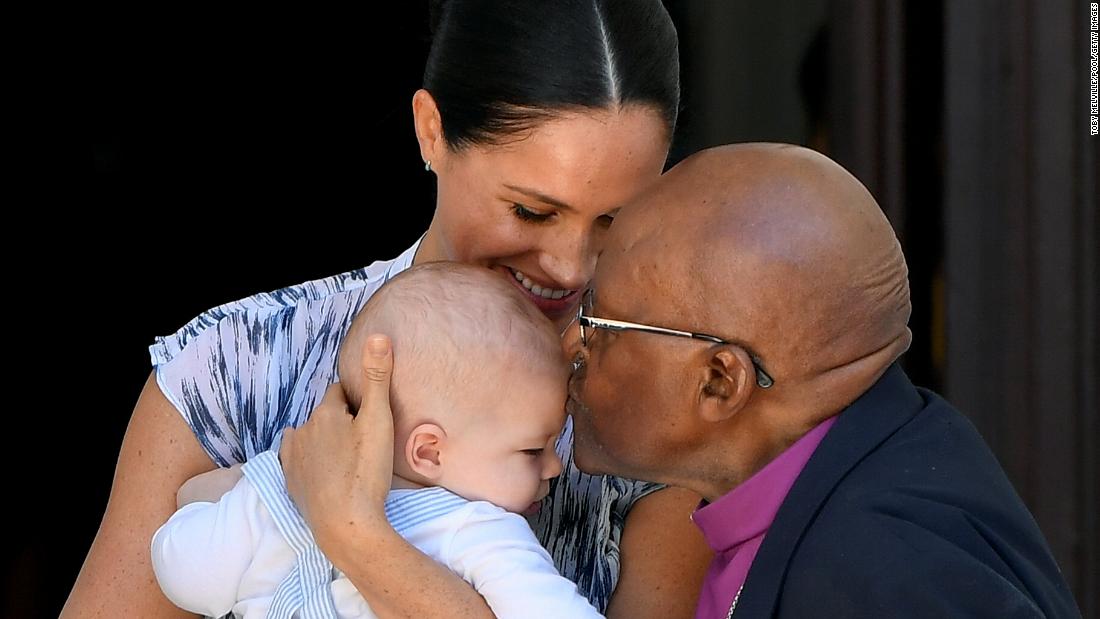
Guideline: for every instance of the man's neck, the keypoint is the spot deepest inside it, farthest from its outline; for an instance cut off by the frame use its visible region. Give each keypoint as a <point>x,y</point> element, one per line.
<point>745,448</point>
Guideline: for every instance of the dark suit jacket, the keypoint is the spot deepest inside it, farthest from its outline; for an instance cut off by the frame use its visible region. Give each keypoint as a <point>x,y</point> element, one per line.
<point>903,511</point>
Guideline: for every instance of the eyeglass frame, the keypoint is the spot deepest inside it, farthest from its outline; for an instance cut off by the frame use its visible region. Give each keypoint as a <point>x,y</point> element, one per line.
<point>763,379</point>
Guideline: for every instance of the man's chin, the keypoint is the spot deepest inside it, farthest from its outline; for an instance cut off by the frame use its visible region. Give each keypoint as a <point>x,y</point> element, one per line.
<point>587,456</point>
<point>586,461</point>
<point>592,460</point>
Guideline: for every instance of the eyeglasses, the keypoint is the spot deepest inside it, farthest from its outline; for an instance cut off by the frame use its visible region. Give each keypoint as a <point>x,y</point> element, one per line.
<point>585,319</point>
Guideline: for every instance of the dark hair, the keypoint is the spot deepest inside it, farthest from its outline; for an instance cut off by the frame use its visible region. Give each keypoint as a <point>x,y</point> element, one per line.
<point>499,67</point>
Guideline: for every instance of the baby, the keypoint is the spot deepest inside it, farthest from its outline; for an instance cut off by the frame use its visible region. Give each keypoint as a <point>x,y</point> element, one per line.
<point>478,397</point>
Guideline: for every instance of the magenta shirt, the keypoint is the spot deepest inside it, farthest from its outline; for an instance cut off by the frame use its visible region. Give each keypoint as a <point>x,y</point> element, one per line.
<point>734,525</point>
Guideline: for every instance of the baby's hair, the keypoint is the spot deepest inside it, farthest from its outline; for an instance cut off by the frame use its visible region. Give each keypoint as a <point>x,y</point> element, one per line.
<point>451,324</point>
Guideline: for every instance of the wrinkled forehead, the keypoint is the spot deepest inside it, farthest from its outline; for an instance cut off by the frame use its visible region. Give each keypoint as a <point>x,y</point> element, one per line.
<point>632,273</point>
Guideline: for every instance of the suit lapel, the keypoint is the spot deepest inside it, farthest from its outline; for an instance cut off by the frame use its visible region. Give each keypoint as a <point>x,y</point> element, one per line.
<point>861,427</point>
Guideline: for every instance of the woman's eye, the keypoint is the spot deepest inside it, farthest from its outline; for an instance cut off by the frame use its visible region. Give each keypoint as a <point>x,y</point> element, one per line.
<point>533,452</point>
<point>606,220</point>
<point>527,214</point>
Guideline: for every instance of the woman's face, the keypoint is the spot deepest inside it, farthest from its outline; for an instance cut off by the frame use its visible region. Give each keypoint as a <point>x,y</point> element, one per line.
<point>537,210</point>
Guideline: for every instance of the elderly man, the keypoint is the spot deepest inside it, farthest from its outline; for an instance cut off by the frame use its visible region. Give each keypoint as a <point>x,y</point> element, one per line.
<point>740,340</point>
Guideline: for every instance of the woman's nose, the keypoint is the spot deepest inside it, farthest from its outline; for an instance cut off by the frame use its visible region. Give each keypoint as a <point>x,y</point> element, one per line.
<point>570,257</point>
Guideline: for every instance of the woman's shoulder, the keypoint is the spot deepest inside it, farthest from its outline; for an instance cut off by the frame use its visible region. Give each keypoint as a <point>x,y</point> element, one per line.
<point>241,372</point>
<point>313,296</point>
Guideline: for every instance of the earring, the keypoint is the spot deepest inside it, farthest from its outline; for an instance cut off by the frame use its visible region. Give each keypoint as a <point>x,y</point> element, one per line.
<point>428,165</point>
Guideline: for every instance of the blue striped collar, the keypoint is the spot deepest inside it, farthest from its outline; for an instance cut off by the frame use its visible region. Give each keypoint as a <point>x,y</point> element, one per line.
<point>409,508</point>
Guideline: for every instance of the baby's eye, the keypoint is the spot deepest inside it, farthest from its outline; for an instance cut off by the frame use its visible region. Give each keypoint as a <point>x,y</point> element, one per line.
<point>533,452</point>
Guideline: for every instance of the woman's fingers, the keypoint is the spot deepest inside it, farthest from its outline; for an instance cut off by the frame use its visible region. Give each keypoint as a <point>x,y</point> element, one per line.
<point>377,369</point>
<point>339,475</point>
<point>323,432</point>
<point>332,410</point>
<point>333,403</point>
<point>375,418</point>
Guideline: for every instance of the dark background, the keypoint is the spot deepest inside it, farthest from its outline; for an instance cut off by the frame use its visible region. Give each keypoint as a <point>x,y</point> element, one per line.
<point>219,154</point>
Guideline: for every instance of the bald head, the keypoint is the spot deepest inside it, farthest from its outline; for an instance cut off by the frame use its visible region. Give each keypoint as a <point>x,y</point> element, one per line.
<point>778,248</point>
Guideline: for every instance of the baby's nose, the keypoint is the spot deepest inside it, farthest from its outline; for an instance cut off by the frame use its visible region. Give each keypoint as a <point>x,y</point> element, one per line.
<point>553,466</point>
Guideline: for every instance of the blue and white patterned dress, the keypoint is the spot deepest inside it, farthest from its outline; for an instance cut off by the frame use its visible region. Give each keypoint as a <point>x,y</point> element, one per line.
<point>241,372</point>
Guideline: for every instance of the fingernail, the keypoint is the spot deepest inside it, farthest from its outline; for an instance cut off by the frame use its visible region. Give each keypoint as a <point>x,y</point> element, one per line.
<point>377,346</point>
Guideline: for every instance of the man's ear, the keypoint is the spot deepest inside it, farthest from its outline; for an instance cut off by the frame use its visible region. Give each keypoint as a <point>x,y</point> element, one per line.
<point>428,125</point>
<point>424,450</point>
<point>728,383</point>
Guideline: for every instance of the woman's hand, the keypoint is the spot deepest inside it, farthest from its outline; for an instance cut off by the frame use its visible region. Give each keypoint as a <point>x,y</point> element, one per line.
<point>338,467</point>
<point>338,470</point>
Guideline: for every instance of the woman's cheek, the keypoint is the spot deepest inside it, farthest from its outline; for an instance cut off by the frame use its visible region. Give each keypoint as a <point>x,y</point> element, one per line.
<point>502,240</point>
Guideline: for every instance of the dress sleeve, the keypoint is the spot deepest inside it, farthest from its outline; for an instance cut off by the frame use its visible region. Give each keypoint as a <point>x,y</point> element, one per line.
<point>242,372</point>
<point>497,553</point>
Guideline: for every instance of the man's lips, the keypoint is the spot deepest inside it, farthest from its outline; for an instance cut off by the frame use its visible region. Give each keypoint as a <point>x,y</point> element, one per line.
<point>574,407</point>
<point>573,387</point>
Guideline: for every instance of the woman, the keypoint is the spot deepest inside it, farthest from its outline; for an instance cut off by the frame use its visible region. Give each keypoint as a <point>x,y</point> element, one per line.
<point>539,120</point>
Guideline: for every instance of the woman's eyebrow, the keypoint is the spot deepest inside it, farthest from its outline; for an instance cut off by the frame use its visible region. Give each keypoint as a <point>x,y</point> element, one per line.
<point>541,197</point>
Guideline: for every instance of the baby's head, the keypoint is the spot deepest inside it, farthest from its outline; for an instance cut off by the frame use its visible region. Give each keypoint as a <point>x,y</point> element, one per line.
<point>479,382</point>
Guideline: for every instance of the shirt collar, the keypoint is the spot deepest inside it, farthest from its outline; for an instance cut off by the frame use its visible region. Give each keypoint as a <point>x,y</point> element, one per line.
<point>749,509</point>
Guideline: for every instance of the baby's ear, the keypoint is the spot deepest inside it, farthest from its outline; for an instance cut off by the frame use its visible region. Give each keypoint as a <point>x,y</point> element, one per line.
<point>422,450</point>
